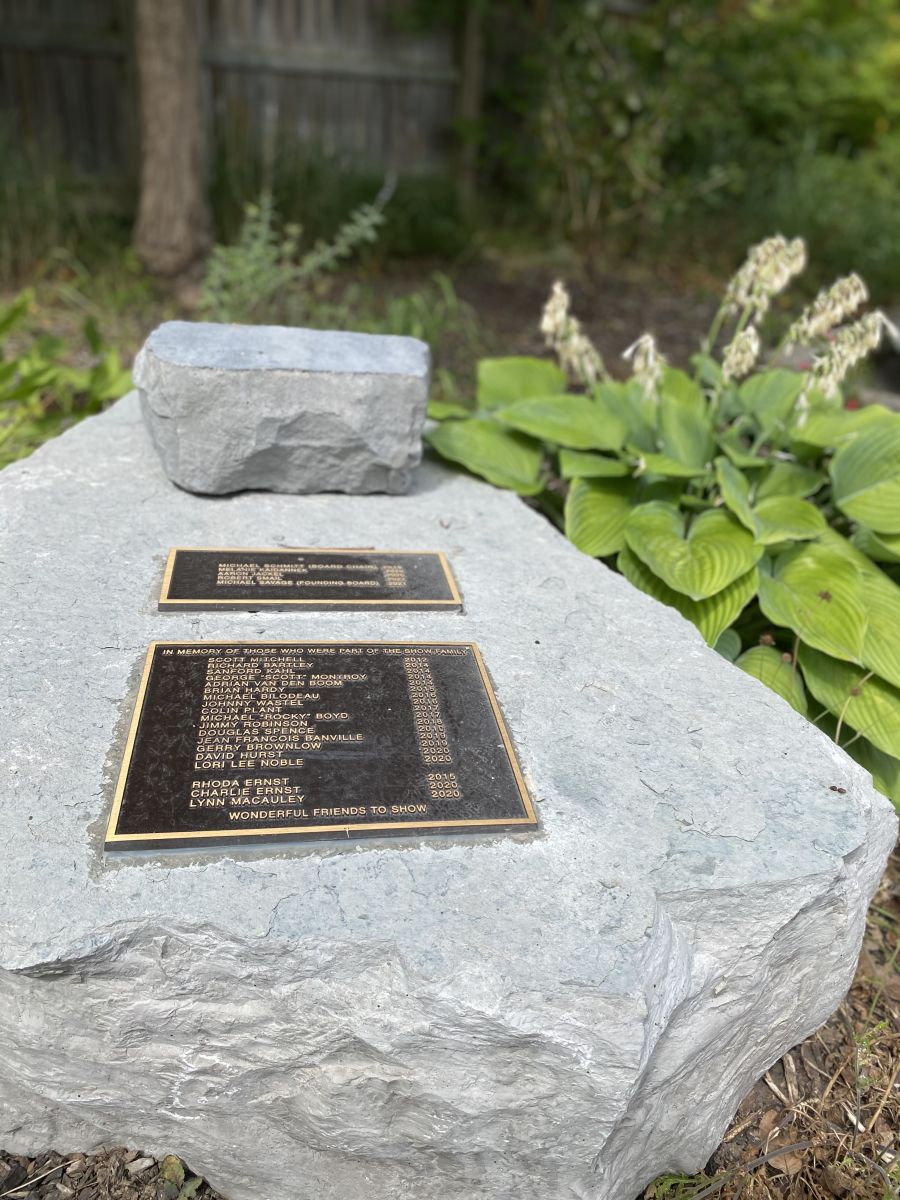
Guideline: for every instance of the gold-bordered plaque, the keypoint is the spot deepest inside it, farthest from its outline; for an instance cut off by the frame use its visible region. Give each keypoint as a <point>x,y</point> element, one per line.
<point>249,742</point>
<point>315,577</point>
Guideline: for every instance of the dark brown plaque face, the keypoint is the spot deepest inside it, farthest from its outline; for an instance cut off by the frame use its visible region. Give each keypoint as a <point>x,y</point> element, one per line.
<point>314,578</point>
<point>285,741</point>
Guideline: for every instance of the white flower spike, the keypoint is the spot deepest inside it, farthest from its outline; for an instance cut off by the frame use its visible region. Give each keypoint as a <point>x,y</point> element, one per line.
<point>577,354</point>
<point>647,364</point>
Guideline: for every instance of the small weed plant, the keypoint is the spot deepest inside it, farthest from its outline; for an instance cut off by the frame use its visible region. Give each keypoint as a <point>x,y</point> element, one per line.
<point>746,495</point>
<point>265,276</point>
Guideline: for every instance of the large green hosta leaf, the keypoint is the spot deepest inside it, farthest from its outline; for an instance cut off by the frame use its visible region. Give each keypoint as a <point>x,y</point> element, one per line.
<point>776,671</point>
<point>884,768</point>
<point>573,421</point>
<point>679,388</point>
<point>861,700</point>
<point>786,519</point>
<point>650,463</point>
<point>818,593</point>
<point>712,616</point>
<point>728,643</point>
<point>713,552</point>
<point>504,380</point>
<point>735,492</point>
<point>881,648</point>
<point>596,513</point>
<point>830,427</point>
<point>631,404</point>
<point>685,428</point>
<point>770,397</point>
<point>737,449</point>
<point>579,464</point>
<point>790,479</point>
<point>880,547</point>
<point>865,478</point>
<point>881,644</point>
<point>774,518</point>
<point>502,456</point>
<point>832,540</point>
<point>441,410</point>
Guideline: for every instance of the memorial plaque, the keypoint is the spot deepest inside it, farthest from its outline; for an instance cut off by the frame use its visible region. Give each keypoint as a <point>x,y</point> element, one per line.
<point>312,578</point>
<point>287,741</point>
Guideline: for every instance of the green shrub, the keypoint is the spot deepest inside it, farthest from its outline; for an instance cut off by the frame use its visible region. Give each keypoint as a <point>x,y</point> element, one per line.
<point>756,504</point>
<point>717,121</point>
<point>40,395</point>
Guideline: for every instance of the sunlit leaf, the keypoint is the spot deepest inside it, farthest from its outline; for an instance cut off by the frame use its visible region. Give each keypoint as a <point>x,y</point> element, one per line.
<point>700,561</point>
<point>881,648</point>
<point>650,463</point>
<point>858,699</point>
<point>789,479</point>
<point>684,426</point>
<point>502,381</point>
<point>817,593</point>
<point>707,369</point>
<point>441,410</point>
<point>738,451</point>
<point>580,464</point>
<point>573,421</point>
<point>884,768</point>
<point>881,547</point>
<point>596,513</point>
<point>712,616</point>
<point>678,388</point>
<point>881,596</point>
<point>735,492</point>
<point>502,456</point>
<point>865,478</point>
<point>777,671</point>
<point>629,402</point>
<point>786,518</point>
<point>829,428</point>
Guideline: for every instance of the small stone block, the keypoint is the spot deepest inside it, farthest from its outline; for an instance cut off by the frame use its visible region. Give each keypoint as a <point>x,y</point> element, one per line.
<point>237,407</point>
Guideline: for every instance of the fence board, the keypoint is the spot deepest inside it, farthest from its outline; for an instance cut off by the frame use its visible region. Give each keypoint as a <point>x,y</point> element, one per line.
<point>333,74</point>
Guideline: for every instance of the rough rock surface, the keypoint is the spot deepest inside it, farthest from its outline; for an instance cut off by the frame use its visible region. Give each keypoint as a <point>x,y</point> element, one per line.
<point>553,1015</point>
<point>231,407</point>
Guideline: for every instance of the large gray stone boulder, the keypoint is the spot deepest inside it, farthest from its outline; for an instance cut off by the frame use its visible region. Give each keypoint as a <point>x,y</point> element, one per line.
<point>231,407</point>
<point>521,1017</point>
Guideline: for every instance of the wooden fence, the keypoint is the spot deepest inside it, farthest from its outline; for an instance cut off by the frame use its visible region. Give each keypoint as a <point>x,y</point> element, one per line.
<point>336,75</point>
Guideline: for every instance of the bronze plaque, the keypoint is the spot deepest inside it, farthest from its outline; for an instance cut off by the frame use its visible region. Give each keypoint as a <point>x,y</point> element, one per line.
<point>309,578</point>
<point>252,742</point>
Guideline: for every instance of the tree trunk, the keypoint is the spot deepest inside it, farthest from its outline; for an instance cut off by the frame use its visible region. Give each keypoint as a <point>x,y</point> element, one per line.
<point>172,231</point>
<point>471,71</point>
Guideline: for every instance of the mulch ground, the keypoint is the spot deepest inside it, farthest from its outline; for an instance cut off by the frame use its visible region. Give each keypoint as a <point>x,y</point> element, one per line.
<point>108,1175</point>
<point>821,1124</point>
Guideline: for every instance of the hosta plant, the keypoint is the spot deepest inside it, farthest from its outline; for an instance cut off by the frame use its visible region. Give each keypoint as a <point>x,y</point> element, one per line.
<point>748,496</point>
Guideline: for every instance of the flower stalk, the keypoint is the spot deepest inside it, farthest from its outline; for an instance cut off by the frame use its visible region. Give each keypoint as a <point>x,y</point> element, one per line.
<point>577,354</point>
